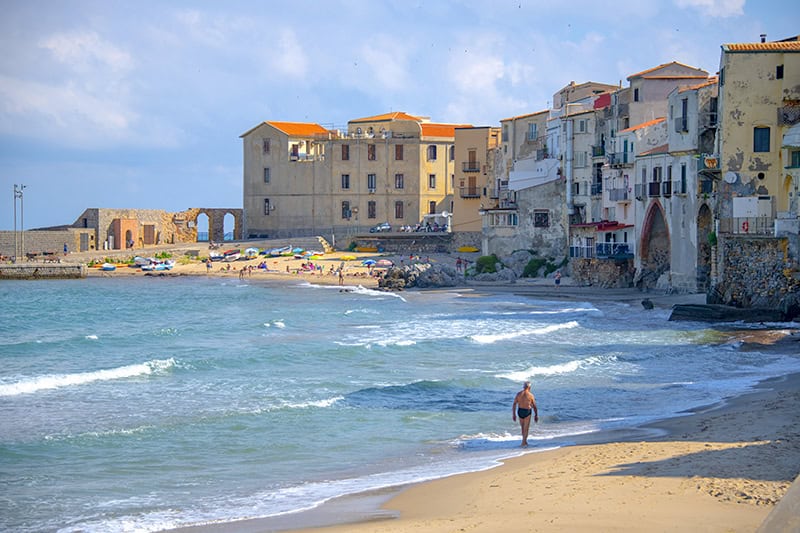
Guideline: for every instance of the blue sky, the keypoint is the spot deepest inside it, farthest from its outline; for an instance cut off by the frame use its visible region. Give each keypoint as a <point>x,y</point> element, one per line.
<point>141,104</point>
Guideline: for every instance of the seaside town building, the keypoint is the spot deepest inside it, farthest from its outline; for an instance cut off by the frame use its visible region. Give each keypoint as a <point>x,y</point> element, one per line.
<point>475,183</point>
<point>758,218</point>
<point>304,179</point>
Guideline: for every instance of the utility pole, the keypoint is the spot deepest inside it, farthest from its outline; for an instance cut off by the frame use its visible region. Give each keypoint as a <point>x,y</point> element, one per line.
<point>19,240</point>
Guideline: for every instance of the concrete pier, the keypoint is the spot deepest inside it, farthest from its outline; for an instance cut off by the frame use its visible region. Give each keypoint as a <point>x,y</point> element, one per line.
<point>43,271</point>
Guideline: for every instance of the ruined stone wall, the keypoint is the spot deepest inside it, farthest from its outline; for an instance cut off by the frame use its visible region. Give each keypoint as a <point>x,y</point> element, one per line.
<point>757,272</point>
<point>604,273</point>
<point>40,241</point>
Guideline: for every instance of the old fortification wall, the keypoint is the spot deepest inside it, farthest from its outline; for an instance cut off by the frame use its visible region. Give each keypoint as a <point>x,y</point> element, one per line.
<point>757,271</point>
<point>605,273</point>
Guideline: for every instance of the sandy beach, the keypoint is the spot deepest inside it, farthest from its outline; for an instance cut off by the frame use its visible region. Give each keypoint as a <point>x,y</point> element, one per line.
<point>720,469</point>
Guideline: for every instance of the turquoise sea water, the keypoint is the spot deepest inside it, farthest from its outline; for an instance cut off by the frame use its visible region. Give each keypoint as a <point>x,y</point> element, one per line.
<point>149,403</point>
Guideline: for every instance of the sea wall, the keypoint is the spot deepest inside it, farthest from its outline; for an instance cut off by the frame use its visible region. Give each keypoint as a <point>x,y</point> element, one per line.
<point>605,273</point>
<point>756,271</point>
<point>43,271</point>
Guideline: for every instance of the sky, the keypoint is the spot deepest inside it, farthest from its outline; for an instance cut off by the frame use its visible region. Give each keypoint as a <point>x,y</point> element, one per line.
<point>141,104</point>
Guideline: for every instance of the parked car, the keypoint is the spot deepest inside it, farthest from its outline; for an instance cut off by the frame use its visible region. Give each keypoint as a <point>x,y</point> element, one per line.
<point>380,228</point>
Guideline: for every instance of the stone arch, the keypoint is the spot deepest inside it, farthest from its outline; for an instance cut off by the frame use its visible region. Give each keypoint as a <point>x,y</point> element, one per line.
<point>790,195</point>
<point>216,221</point>
<point>705,226</point>
<point>654,247</point>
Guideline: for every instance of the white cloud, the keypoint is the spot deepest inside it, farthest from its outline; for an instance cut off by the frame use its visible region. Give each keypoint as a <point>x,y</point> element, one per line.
<point>714,8</point>
<point>86,51</point>
<point>387,64</point>
<point>289,58</point>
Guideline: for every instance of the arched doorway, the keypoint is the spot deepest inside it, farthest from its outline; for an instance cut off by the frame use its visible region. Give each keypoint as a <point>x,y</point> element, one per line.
<point>705,227</point>
<point>654,248</point>
<point>128,239</point>
<point>202,227</point>
<point>229,225</point>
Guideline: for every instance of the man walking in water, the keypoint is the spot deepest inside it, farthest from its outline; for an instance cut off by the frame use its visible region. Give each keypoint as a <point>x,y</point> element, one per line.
<point>524,403</point>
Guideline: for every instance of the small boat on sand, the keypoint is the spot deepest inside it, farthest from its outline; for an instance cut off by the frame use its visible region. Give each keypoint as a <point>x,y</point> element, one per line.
<point>108,267</point>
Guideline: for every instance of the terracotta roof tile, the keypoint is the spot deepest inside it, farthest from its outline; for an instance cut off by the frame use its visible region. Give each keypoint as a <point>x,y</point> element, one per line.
<point>643,124</point>
<point>781,46</point>
<point>298,129</point>
<point>643,74</point>
<point>441,130</point>
<point>663,149</point>
<point>396,115</point>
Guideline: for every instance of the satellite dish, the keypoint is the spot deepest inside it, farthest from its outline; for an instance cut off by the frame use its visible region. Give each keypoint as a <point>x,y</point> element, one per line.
<point>731,177</point>
<point>445,214</point>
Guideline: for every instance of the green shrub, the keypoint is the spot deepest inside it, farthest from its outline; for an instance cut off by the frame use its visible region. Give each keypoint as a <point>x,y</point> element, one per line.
<point>486,264</point>
<point>532,268</point>
<point>712,238</point>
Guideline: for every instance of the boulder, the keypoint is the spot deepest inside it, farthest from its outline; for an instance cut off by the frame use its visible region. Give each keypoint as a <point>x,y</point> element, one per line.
<point>724,313</point>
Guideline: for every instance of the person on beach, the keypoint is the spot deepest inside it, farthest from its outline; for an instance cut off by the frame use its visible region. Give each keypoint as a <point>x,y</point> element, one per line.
<point>558,278</point>
<point>524,404</point>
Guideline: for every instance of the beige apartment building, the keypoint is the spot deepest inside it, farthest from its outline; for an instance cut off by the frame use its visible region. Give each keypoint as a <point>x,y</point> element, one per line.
<point>476,186</point>
<point>304,179</point>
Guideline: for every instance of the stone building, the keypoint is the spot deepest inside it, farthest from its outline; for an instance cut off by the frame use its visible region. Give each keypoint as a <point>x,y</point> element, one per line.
<point>303,179</point>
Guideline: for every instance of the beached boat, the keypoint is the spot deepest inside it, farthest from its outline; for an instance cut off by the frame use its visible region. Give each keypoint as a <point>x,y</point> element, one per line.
<point>232,255</point>
<point>108,267</point>
<point>275,252</point>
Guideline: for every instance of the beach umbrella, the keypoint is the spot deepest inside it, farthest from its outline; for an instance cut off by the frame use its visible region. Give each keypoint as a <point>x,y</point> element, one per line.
<point>368,262</point>
<point>384,263</point>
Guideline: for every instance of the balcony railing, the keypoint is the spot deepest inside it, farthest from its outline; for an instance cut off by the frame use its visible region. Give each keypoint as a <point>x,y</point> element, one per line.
<point>654,189</point>
<point>613,249</point>
<point>619,158</point>
<point>618,195</point>
<point>494,193</point>
<point>471,166</point>
<point>598,151</point>
<point>639,191</point>
<point>747,225</point>
<point>581,252</point>
<point>681,124</point>
<point>666,189</point>
<point>470,192</point>
<point>705,187</point>
<point>597,188</point>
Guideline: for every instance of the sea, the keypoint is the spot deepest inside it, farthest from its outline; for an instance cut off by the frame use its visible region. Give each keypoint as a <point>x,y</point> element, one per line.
<point>151,403</point>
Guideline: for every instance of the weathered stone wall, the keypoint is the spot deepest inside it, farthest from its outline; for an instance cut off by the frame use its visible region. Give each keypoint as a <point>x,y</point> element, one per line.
<point>605,273</point>
<point>42,271</point>
<point>415,243</point>
<point>757,271</point>
<point>39,241</point>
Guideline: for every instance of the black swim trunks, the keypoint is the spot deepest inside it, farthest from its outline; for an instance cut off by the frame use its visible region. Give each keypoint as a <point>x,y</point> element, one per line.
<point>523,413</point>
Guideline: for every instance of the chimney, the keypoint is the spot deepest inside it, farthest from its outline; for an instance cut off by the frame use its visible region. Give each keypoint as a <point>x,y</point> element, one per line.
<point>763,37</point>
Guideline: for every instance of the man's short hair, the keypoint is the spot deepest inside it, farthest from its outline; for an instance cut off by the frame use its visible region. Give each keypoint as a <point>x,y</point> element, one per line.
<point>527,384</point>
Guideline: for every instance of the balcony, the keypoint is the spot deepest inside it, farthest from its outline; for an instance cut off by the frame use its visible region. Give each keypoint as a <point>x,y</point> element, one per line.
<point>471,166</point>
<point>494,193</point>
<point>613,250</point>
<point>666,189</point>
<point>581,252</point>
<point>639,191</point>
<point>470,192</point>
<point>598,151</point>
<point>618,195</point>
<point>654,189</point>
<point>681,124</point>
<point>747,226</point>
<point>597,189</point>
<point>619,159</point>
<point>705,187</point>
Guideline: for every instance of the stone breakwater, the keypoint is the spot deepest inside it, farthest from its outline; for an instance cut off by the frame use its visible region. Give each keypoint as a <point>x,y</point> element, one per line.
<point>43,271</point>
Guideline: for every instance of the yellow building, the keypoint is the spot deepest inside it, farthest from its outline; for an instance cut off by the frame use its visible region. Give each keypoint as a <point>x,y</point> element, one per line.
<point>304,179</point>
<point>759,98</point>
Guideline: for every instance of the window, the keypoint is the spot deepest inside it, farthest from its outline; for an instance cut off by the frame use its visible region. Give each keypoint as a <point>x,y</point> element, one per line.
<point>345,152</point>
<point>265,145</point>
<point>657,173</point>
<point>794,158</point>
<point>636,95</point>
<point>452,153</point>
<point>346,210</point>
<point>580,159</point>
<point>398,152</point>
<point>431,181</point>
<point>432,152</point>
<point>371,209</point>
<point>345,181</point>
<point>371,182</point>
<point>432,207</point>
<point>541,218</point>
<point>504,219</point>
<point>531,131</point>
<point>398,209</point>
<point>760,139</point>
<point>267,206</point>
<point>266,175</point>
<point>779,72</point>
<point>683,178</point>
<point>398,181</point>
<point>582,126</point>
<point>295,152</point>
<point>371,152</point>
<point>669,173</point>
<point>644,174</point>
<point>505,133</point>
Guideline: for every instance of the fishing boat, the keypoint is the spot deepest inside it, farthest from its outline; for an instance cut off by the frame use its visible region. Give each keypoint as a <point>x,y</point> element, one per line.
<point>108,267</point>
<point>232,255</point>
